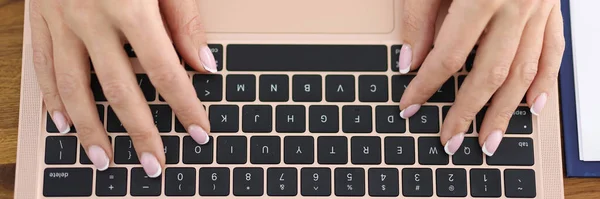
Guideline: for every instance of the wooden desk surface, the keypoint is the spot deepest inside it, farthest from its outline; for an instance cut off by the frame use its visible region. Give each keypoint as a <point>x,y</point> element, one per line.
<point>11,38</point>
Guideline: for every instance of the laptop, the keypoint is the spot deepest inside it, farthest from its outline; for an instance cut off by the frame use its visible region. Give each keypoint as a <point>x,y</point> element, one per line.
<point>260,45</point>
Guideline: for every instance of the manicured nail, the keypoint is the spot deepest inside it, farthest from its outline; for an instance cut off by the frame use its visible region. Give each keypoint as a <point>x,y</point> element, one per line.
<point>454,143</point>
<point>198,134</point>
<point>405,59</point>
<point>410,111</point>
<point>539,104</point>
<point>151,165</point>
<point>98,156</point>
<point>207,59</point>
<point>492,142</point>
<point>61,122</point>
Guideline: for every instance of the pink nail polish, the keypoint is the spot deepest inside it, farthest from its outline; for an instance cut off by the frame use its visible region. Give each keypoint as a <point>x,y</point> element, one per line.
<point>98,157</point>
<point>198,134</point>
<point>538,104</point>
<point>492,142</point>
<point>208,59</point>
<point>405,59</point>
<point>151,165</point>
<point>410,111</point>
<point>61,122</point>
<point>454,143</point>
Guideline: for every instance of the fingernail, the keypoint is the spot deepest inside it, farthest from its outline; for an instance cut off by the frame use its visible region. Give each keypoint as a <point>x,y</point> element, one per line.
<point>61,122</point>
<point>207,59</point>
<point>410,111</point>
<point>198,134</point>
<point>539,104</point>
<point>151,165</point>
<point>492,142</point>
<point>405,59</point>
<point>454,143</point>
<point>98,156</point>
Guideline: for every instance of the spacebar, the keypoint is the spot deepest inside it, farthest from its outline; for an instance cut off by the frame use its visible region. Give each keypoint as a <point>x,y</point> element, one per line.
<point>301,57</point>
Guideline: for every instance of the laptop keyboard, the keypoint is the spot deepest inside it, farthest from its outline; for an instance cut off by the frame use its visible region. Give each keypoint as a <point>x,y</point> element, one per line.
<point>280,127</point>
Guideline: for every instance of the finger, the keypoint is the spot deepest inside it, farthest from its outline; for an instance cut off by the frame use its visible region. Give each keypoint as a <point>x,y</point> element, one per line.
<point>522,73</point>
<point>184,23</point>
<point>44,68</point>
<point>418,29</point>
<point>552,51</point>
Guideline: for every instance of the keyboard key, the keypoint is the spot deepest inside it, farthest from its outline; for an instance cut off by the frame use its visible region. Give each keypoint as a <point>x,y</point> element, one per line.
<point>339,88</point>
<point>241,88</point>
<point>83,158</point>
<point>248,181</point>
<point>513,151</point>
<point>373,88</point>
<point>388,120</point>
<point>349,182</point>
<point>469,153</point>
<point>444,94</point>
<point>124,151</point>
<point>217,51</point>
<point>332,150</point>
<point>274,88</point>
<point>51,127</point>
<point>97,89</point>
<point>171,148</point>
<point>399,150</point>
<point>142,185</point>
<point>224,118</point>
<point>399,84</point>
<point>470,60</point>
<point>179,127</point>
<point>357,119</point>
<point>520,122</point>
<point>290,119</point>
<point>113,123</point>
<point>431,151</point>
<point>485,183</point>
<point>426,120</point>
<point>129,50</point>
<point>282,182</point>
<point>395,57</point>
<point>445,110</point>
<point>265,150</point>
<point>323,119</point>
<point>257,118</point>
<point>65,182</point>
<point>519,183</point>
<point>315,181</point>
<point>111,182</point>
<point>162,116</point>
<point>461,79</point>
<point>366,150</point>
<point>180,181</point>
<point>383,182</point>
<point>417,182</point>
<point>61,150</point>
<point>451,182</point>
<point>231,150</point>
<point>306,88</point>
<point>146,87</point>
<point>193,153</point>
<point>214,181</point>
<point>298,150</point>
<point>208,87</point>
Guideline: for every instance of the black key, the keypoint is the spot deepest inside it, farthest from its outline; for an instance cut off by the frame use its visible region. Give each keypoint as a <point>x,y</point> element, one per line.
<point>83,158</point>
<point>519,183</point>
<point>315,181</point>
<point>513,151</point>
<point>113,123</point>
<point>208,87</point>
<point>520,122</point>
<point>224,118</point>
<point>171,148</point>
<point>383,182</point>
<point>111,182</point>
<point>282,181</point>
<point>64,182</point>
<point>146,87</point>
<point>274,88</point>
<point>51,127</point>
<point>399,150</point>
<point>417,182</point>
<point>97,89</point>
<point>332,150</point>
<point>180,181</point>
<point>357,119</point>
<point>469,153</point>
<point>248,181</point>
<point>60,150</point>
<point>461,79</point>
<point>388,120</point>
<point>339,88</point>
<point>399,84</point>
<point>100,109</point>
<point>265,150</point>
<point>349,182</point>
<point>298,150</point>
<point>241,88</point>
<point>217,51</point>
<point>446,93</point>
<point>162,116</point>
<point>300,57</point>
<point>129,50</point>
<point>307,88</point>
<point>431,151</point>
<point>366,150</point>
<point>231,149</point>
<point>193,153</point>
<point>373,88</point>
<point>290,119</point>
<point>124,151</point>
<point>214,181</point>
<point>142,185</point>
<point>451,182</point>
<point>426,120</point>
<point>445,110</point>
<point>470,59</point>
<point>179,127</point>
<point>395,57</point>
<point>257,118</point>
<point>323,119</point>
<point>485,183</point>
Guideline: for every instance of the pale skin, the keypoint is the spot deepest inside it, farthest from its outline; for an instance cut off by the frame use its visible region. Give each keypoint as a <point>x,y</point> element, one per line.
<point>518,55</point>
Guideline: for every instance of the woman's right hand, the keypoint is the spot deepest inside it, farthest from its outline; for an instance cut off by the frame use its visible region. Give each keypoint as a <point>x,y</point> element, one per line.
<point>67,33</point>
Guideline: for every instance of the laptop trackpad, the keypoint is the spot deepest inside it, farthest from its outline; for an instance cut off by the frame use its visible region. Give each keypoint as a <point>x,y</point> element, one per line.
<point>297,16</point>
